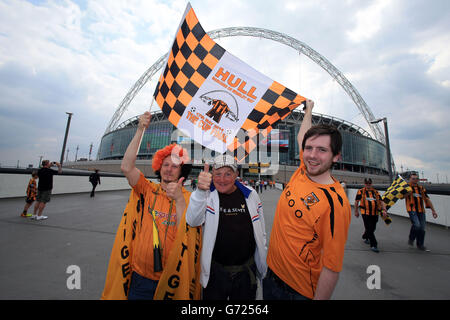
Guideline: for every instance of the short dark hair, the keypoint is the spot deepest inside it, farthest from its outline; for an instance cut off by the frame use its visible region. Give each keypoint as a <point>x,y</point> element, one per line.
<point>322,130</point>
<point>368,180</point>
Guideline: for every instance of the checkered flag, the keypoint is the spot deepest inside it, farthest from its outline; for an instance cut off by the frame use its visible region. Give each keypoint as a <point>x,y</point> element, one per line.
<point>192,58</point>
<point>397,190</point>
<point>275,105</point>
<point>212,95</point>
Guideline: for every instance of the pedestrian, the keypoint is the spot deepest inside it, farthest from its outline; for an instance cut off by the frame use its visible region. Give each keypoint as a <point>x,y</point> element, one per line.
<point>233,256</point>
<point>45,187</point>
<point>371,205</point>
<point>415,207</point>
<point>94,179</point>
<point>31,194</point>
<point>306,248</point>
<point>163,205</point>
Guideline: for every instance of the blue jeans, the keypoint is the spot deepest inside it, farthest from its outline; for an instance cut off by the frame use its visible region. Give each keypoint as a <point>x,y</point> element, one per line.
<point>417,231</point>
<point>141,288</point>
<point>226,285</point>
<point>275,289</point>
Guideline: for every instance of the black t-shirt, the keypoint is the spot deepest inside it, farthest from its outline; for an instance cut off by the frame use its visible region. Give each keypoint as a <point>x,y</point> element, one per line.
<point>46,178</point>
<point>235,241</point>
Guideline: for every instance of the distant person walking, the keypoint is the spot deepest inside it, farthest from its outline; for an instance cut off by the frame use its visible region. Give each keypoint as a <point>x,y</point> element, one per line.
<point>45,187</point>
<point>416,210</point>
<point>371,204</point>
<point>94,179</point>
<point>31,194</point>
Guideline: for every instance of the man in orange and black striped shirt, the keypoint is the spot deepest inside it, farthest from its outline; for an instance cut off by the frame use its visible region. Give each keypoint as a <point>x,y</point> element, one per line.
<point>370,205</point>
<point>415,206</point>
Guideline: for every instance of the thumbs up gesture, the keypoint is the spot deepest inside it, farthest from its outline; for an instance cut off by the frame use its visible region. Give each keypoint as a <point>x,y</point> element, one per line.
<point>174,189</point>
<point>204,178</point>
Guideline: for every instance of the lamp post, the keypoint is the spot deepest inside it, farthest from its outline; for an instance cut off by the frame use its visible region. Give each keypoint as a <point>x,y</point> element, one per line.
<point>388,147</point>
<point>65,137</point>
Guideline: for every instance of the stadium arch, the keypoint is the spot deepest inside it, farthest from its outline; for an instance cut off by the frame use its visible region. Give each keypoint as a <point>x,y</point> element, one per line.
<point>282,38</point>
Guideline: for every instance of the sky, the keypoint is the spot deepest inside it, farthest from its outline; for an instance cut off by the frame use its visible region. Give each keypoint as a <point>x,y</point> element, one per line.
<point>84,56</point>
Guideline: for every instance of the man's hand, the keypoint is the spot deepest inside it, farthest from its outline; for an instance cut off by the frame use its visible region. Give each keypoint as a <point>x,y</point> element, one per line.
<point>306,123</point>
<point>356,213</point>
<point>204,178</point>
<point>59,166</point>
<point>144,120</point>
<point>309,105</point>
<point>174,189</point>
<point>434,214</point>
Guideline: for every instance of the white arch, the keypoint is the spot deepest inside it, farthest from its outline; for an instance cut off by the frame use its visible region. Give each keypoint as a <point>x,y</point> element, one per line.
<point>271,35</point>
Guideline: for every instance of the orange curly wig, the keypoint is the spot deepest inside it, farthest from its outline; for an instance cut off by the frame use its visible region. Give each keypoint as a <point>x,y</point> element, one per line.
<point>178,154</point>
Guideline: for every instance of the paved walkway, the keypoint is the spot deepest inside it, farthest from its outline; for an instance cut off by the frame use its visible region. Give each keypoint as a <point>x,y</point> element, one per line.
<point>80,231</point>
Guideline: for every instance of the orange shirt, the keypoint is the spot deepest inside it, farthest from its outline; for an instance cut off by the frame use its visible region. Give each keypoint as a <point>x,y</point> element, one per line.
<point>309,231</point>
<point>142,257</point>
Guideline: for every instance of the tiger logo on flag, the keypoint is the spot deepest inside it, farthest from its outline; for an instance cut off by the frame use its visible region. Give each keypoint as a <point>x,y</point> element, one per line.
<point>216,99</point>
<point>197,67</point>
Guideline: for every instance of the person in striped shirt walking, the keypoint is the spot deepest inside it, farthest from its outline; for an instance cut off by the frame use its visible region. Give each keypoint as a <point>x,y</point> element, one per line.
<point>368,202</point>
<point>31,194</point>
<point>415,201</point>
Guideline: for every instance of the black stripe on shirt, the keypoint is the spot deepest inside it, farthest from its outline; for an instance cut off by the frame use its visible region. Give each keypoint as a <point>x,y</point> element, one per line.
<point>330,201</point>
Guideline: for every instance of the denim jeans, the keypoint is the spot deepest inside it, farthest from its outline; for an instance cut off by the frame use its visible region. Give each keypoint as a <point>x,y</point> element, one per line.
<point>417,232</point>
<point>141,288</point>
<point>223,285</point>
<point>275,289</point>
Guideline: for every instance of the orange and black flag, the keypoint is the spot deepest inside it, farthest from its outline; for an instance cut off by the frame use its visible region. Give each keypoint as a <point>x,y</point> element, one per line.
<point>157,259</point>
<point>199,74</point>
<point>398,189</point>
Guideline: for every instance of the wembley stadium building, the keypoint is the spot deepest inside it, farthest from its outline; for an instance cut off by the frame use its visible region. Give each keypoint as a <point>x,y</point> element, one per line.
<point>361,155</point>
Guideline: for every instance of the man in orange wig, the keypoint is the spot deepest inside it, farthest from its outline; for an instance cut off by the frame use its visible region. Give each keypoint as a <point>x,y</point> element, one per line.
<point>160,208</point>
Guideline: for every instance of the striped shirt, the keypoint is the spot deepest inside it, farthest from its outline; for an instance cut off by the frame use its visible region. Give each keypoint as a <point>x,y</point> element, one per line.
<point>370,201</point>
<point>415,201</point>
<point>31,189</point>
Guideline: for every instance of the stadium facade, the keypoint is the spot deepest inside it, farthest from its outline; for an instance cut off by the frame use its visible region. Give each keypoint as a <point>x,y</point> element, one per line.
<point>361,153</point>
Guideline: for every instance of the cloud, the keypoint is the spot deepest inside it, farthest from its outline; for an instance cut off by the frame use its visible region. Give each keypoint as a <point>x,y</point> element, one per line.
<point>368,21</point>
